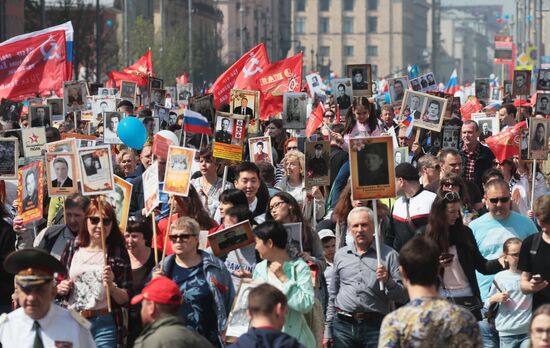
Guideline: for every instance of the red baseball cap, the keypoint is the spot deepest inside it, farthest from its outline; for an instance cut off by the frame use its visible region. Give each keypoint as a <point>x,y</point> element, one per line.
<point>160,290</point>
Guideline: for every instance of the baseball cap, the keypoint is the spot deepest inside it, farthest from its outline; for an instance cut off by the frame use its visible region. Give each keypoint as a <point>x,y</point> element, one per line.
<point>406,171</point>
<point>325,233</point>
<point>160,290</point>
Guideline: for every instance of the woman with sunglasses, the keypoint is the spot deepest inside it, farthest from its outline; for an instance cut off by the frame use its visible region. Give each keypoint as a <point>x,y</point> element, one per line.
<point>290,275</point>
<point>85,289</point>
<point>452,182</point>
<point>203,279</point>
<point>293,183</point>
<point>460,255</point>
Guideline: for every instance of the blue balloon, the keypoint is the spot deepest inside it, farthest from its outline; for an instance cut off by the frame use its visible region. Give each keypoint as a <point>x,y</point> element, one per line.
<point>132,132</point>
<point>387,98</point>
<point>498,16</point>
<point>507,17</point>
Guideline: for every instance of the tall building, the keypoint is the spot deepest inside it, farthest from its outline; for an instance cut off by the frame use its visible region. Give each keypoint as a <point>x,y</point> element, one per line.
<point>248,23</point>
<point>389,35</point>
<point>12,19</point>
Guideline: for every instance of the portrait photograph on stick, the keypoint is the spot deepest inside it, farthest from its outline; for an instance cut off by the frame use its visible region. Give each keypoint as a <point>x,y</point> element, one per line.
<point>317,155</point>
<point>451,137</point>
<point>151,190</point>
<point>40,115</point>
<point>343,91</point>
<point>400,155</point>
<point>361,78</point>
<point>178,170</point>
<point>538,138</point>
<point>230,132</point>
<point>397,88</point>
<point>120,201</point>
<point>317,89</point>
<point>542,105</point>
<point>101,105</point>
<point>158,97</point>
<point>128,90</point>
<point>521,83</point>
<point>294,110</point>
<point>488,125</point>
<point>260,150</point>
<point>74,96</point>
<point>372,167</point>
<point>234,237</point>
<point>9,156</point>
<point>110,135</point>
<point>294,245</point>
<point>61,173</point>
<point>482,89</point>
<point>413,104</point>
<point>30,193</point>
<point>96,170</point>
<point>247,103</point>
<point>10,110</point>
<point>543,80</point>
<point>56,108</point>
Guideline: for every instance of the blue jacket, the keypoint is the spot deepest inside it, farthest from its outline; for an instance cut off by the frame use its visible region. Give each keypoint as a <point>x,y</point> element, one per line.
<point>266,337</point>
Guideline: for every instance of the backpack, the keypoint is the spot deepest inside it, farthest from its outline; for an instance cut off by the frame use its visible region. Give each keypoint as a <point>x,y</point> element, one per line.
<point>50,236</point>
<point>535,246</point>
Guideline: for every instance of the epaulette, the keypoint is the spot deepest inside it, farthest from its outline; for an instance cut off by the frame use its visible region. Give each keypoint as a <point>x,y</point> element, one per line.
<point>80,319</point>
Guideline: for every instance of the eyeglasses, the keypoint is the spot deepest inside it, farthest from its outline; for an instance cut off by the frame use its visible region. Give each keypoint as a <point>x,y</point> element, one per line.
<point>329,116</point>
<point>539,332</point>
<point>175,237</point>
<point>449,184</point>
<point>292,148</point>
<point>499,199</point>
<point>94,220</point>
<point>276,205</point>
<point>452,197</point>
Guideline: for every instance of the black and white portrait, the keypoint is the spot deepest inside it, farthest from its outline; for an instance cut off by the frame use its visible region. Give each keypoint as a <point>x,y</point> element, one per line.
<point>158,97</point>
<point>361,78</point>
<point>294,238</point>
<point>40,116</point>
<point>9,156</point>
<point>74,95</point>
<point>373,165</point>
<point>163,114</point>
<point>433,111</point>
<point>224,130</point>
<point>397,89</point>
<point>543,80</point>
<point>538,138</point>
<point>343,92</point>
<point>508,87</point>
<point>128,90</point>
<point>184,91</point>
<point>482,89</point>
<point>155,83</point>
<point>105,92</point>
<point>450,137</point>
<point>294,110</point>
<point>521,84</point>
<point>10,110</point>
<point>542,106</point>
<point>414,104</point>
<point>488,125</point>
<point>110,135</point>
<point>204,105</point>
<point>56,108</point>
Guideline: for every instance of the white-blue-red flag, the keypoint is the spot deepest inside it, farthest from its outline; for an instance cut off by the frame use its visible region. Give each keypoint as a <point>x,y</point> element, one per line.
<point>452,86</point>
<point>195,123</point>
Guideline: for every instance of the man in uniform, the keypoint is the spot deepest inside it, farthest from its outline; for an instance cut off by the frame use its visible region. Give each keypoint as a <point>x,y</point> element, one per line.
<point>223,135</point>
<point>317,165</point>
<point>38,322</point>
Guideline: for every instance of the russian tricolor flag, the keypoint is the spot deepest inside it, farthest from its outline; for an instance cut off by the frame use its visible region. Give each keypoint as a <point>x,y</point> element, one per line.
<point>452,85</point>
<point>408,122</point>
<point>195,123</point>
<point>493,106</point>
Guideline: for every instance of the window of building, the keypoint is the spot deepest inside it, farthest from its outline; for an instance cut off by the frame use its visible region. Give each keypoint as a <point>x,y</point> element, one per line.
<point>323,25</point>
<point>372,5</point>
<point>324,51</point>
<point>374,70</point>
<point>348,51</point>
<point>348,5</point>
<point>348,25</point>
<point>300,5</point>
<point>372,51</point>
<point>300,25</point>
<point>324,5</point>
<point>373,24</point>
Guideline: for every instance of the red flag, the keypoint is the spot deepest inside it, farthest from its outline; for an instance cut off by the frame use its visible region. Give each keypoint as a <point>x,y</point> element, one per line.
<point>226,81</point>
<point>278,78</point>
<point>33,65</point>
<point>182,80</point>
<point>139,72</point>
<point>506,144</point>
<point>470,107</point>
<point>315,119</point>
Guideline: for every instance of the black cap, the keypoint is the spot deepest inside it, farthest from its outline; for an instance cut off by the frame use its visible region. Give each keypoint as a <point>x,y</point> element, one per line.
<point>318,146</point>
<point>33,267</point>
<point>406,171</point>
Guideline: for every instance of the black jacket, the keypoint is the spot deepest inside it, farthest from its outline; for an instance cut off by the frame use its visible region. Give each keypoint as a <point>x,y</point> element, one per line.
<point>483,162</point>
<point>266,337</point>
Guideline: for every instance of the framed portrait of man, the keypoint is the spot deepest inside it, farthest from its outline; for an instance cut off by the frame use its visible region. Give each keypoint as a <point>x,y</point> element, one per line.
<point>120,201</point>
<point>428,110</point>
<point>424,83</point>
<point>74,96</point>
<point>507,87</point>
<point>400,155</point>
<point>343,91</point>
<point>178,170</point>
<point>413,104</point>
<point>40,116</point>
<point>184,93</point>
<point>155,83</point>
<point>317,169</point>
<point>96,170</point>
<point>521,84</point>
<point>158,97</point>
<point>294,244</point>
<point>163,115</point>
<point>543,80</point>
<point>231,238</point>
<point>105,92</point>
<point>230,132</point>
<point>151,189</point>
<point>56,109</point>
<point>224,130</point>
<point>542,106</point>
<point>101,105</point>
<point>10,110</point>
<point>488,125</point>
<point>61,173</point>
<point>30,192</point>
<point>294,110</point>
<point>9,153</point>
<point>66,145</point>
<point>397,87</point>
<point>317,88</point>
<point>128,90</point>
<point>204,105</point>
<point>538,138</point>
<point>246,103</point>
<point>372,167</point>
<point>260,149</point>
<point>482,89</point>
<point>361,77</point>
<point>151,124</point>
<point>110,135</point>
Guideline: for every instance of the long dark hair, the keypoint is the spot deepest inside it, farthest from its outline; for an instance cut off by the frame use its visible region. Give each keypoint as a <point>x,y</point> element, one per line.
<point>438,228</point>
<point>195,209</point>
<point>343,205</point>
<point>372,121</point>
<point>296,215</point>
<point>457,180</point>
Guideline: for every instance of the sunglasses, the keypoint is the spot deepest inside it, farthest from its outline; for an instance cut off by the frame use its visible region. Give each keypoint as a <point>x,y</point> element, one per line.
<point>499,199</point>
<point>175,237</point>
<point>436,167</point>
<point>452,197</point>
<point>449,184</point>
<point>292,148</point>
<point>96,219</point>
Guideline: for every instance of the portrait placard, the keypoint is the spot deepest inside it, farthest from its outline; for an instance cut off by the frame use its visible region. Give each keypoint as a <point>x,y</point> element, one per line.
<point>341,88</point>
<point>372,168</point>
<point>10,110</point>
<point>162,113</point>
<point>204,105</point>
<point>120,201</point>
<point>397,87</point>
<point>229,136</point>
<point>424,83</point>
<point>543,80</point>
<point>361,77</point>
<point>482,89</point>
<point>238,321</point>
<point>96,170</point>
<point>66,145</point>
<point>128,90</point>
<point>39,116</point>
<point>260,149</point>
<point>101,105</point>
<point>74,96</point>
<point>61,173</point>
<point>542,106</point>
<point>488,125</point>
<point>521,84</point>
<point>400,155</point>
<point>507,87</point>
<point>56,109</point>
<point>294,110</point>
<point>158,97</point>
<point>247,103</point>
<point>317,169</point>
<point>451,137</point>
<point>178,170</point>
<point>426,109</point>
<point>155,83</point>
<point>30,192</point>
<point>294,238</point>
<point>151,190</point>
<point>9,155</point>
<point>110,135</point>
<point>34,141</point>
<point>93,88</point>
<point>538,138</point>
<point>234,237</point>
<point>185,92</point>
<point>104,92</point>
<point>317,89</point>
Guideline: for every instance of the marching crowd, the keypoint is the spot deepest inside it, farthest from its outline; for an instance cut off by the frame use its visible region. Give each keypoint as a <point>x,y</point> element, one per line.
<point>462,260</point>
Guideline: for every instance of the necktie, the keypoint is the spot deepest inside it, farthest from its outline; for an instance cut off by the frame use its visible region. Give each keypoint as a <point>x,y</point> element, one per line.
<point>37,339</point>
<point>243,111</point>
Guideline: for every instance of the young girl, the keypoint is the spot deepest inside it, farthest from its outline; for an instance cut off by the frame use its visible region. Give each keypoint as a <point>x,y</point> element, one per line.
<point>514,312</point>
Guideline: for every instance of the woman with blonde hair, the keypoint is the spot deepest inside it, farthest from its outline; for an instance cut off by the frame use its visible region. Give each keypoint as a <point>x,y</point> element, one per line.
<point>127,162</point>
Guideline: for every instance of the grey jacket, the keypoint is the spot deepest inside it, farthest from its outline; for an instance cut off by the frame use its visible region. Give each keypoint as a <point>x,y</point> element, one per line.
<point>168,332</point>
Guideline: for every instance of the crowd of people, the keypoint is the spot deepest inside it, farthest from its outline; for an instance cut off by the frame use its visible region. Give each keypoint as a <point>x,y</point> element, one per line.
<point>462,258</point>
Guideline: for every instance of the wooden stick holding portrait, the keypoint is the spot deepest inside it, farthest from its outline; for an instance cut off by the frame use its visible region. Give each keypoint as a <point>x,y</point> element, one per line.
<point>377,238</point>
<point>168,230</point>
<point>104,251</point>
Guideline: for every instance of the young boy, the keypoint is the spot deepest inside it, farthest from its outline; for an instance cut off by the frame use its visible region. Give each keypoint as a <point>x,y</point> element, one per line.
<point>514,312</point>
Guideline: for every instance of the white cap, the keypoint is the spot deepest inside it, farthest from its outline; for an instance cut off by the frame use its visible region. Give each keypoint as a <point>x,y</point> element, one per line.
<point>324,233</point>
